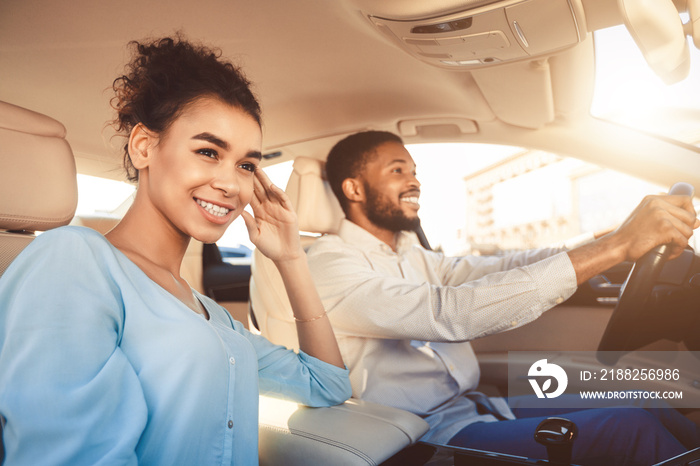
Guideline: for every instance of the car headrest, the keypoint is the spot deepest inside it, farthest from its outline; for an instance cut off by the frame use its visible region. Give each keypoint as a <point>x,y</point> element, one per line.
<point>313,200</point>
<point>38,184</point>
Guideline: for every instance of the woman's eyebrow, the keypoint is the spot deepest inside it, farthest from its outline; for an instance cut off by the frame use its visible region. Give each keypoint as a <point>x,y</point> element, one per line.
<point>212,139</point>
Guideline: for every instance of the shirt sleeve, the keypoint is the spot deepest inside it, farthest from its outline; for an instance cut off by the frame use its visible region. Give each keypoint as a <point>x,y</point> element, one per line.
<point>67,392</point>
<point>283,373</point>
<point>475,299</point>
<point>458,270</point>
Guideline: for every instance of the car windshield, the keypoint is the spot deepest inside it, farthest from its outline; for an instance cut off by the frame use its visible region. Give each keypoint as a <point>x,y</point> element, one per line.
<point>629,93</point>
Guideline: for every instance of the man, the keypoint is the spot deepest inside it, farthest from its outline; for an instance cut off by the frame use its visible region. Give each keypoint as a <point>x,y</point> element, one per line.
<point>404,315</point>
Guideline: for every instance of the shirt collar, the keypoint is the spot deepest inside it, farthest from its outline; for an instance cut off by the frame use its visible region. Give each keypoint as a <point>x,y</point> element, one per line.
<point>355,234</point>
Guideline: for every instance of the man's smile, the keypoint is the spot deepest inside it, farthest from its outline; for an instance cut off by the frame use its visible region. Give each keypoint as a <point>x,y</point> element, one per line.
<point>410,198</point>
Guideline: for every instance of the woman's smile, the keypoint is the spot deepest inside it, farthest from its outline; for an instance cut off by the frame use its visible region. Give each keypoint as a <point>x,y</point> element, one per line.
<point>214,212</point>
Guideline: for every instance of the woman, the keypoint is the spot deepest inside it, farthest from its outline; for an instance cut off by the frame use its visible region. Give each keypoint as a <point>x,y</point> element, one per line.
<point>106,354</point>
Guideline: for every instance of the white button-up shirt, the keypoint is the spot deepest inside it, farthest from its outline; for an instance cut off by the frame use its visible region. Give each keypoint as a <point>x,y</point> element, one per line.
<point>404,319</point>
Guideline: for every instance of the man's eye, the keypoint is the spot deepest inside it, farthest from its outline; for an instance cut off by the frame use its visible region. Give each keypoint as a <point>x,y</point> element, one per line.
<point>211,153</point>
<point>396,170</point>
<point>248,166</point>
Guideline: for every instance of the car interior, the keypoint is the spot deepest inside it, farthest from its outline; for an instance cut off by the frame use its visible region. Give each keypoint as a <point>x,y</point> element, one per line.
<point>520,73</point>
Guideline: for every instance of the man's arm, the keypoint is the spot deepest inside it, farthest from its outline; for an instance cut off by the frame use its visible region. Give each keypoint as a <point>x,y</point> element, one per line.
<point>656,220</point>
<point>363,299</point>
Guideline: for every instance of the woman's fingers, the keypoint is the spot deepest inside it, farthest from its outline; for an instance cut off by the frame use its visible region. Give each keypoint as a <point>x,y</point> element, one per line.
<point>259,190</point>
<point>262,176</point>
<point>250,224</point>
<point>265,190</point>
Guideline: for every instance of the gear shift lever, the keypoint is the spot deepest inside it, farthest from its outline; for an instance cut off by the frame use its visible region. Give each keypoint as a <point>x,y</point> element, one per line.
<point>557,435</point>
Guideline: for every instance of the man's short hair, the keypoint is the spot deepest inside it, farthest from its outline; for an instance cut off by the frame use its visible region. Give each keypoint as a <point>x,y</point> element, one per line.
<point>349,156</point>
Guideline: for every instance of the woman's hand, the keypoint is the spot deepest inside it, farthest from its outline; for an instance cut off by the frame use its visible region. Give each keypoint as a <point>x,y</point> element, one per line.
<point>275,232</point>
<point>274,229</point>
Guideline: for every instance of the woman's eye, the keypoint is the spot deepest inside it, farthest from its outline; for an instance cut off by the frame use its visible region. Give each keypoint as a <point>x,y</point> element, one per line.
<point>211,153</point>
<point>248,166</point>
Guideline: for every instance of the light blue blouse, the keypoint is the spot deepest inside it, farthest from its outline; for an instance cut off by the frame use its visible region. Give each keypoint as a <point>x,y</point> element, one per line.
<point>100,365</point>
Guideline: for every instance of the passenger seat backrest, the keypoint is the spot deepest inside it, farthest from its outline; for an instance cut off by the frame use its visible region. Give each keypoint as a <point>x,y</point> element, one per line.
<point>319,212</point>
<point>313,200</point>
<point>38,183</point>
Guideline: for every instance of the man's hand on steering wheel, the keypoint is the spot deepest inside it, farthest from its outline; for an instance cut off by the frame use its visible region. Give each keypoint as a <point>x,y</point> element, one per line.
<point>666,219</point>
<point>657,220</point>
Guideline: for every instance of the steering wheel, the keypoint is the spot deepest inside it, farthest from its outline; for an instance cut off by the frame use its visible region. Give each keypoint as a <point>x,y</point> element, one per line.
<point>625,329</point>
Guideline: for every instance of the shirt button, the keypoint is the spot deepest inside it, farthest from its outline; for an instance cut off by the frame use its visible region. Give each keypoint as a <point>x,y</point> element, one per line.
<point>559,300</point>
<point>232,360</point>
<point>230,424</point>
<point>514,323</point>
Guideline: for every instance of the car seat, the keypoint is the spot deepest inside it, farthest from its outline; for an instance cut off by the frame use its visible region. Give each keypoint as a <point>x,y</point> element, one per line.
<point>38,187</point>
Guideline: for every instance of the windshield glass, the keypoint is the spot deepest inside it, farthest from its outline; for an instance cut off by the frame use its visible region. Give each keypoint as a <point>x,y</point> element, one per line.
<point>488,199</point>
<point>628,92</point>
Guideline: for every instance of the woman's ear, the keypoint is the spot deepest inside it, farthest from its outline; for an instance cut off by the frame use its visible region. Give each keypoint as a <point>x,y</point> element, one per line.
<point>353,189</point>
<point>141,140</point>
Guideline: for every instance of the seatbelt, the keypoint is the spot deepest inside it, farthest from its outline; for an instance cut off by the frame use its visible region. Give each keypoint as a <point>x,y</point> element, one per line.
<point>485,406</point>
<point>422,238</point>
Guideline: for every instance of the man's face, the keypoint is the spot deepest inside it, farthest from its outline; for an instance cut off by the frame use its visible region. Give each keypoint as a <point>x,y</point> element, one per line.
<point>391,188</point>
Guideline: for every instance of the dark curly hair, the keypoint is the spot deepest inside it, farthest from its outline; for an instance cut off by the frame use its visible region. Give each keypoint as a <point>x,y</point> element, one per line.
<point>349,156</point>
<point>164,76</point>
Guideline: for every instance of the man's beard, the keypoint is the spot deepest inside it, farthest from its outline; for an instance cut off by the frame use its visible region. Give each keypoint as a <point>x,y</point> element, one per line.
<point>381,212</point>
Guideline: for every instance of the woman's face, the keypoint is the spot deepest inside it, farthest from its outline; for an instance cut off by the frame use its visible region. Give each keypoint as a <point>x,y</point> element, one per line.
<point>200,172</point>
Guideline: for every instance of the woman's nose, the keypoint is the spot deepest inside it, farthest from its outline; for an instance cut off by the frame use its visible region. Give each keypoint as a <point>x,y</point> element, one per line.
<point>226,180</point>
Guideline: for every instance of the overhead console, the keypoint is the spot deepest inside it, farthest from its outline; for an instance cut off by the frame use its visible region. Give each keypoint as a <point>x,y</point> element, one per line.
<point>501,31</point>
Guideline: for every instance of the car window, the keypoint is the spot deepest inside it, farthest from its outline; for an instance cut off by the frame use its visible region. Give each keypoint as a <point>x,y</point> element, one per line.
<point>480,199</point>
<point>102,196</point>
